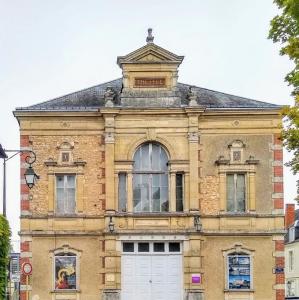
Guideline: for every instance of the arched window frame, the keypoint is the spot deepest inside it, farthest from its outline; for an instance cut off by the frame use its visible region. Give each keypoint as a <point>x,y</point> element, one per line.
<point>153,172</point>
<point>124,178</point>
<point>65,251</point>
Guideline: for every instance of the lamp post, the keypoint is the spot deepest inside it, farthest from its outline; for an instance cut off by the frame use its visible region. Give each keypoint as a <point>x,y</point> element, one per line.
<point>30,175</point>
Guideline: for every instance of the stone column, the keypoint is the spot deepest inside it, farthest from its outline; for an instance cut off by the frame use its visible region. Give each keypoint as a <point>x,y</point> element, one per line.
<point>222,191</point>
<point>130,192</point>
<point>172,200</point>
<point>251,181</point>
<point>109,162</point>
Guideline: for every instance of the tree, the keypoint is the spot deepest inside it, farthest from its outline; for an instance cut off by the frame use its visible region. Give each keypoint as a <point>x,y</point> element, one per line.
<point>4,250</point>
<point>285,30</point>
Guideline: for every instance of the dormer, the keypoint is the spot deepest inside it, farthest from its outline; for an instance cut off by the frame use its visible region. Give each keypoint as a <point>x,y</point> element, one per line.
<point>150,68</point>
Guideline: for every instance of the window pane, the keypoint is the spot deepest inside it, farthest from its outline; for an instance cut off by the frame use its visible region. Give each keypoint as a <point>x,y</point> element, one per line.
<point>156,193</point>
<point>163,160</point>
<point>230,192</point>
<point>240,192</point>
<point>122,192</point>
<point>60,181</point>
<point>128,247</point>
<point>60,200</point>
<point>164,199</point>
<point>66,194</point>
<point>159,247</point>
<point>239,272</point>
<point>164,180</point>
<point>137,192</point>
<point>179,192</point>
<point>174,247</point>
<point>65,272</point>
<point>70,181</point>
<point>70,201</point>
<point>145,159</point>
<point>137,162</point>
<point>143,247</point>
<point>155,157</point>
<point>156,196</point>
<point>156,179</point>
<point>145,192</point>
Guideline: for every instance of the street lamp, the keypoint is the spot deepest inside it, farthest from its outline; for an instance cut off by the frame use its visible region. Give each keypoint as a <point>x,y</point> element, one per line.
<point>30,175</point>
<point>111,225</point>
<point>197,223</point>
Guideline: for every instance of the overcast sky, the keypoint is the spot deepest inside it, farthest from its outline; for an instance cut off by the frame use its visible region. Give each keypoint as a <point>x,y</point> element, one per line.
<point>52,47</point>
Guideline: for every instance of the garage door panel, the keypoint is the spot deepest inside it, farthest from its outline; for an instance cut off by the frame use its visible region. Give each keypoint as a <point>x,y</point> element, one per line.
<point>152,277</point>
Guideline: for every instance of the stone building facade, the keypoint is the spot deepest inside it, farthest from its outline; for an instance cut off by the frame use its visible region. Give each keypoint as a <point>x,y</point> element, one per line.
<point>292,252</point>
<point>153,189</point>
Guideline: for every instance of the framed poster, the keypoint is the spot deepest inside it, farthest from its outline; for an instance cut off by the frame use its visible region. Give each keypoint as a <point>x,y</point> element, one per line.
<point>65,273</point>
<point>239,275</point>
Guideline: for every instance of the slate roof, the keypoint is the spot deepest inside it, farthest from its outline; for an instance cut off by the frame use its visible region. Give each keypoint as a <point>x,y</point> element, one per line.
<point>91,99</point>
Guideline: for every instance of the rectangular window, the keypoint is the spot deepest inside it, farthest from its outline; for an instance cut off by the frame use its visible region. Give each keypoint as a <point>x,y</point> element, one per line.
<point>179,192</point>
<point>292,234</point>
<point>128,247</point>
<point>65,194</point>
<point>291,261</point>
<point>239,275</point>
<point>159,247</point>
<point>122,192</point>
<point>143,247</point>
<point>291,288</point>
<point>65,273</point>
<point>235,192</point>
<point>174,247</point>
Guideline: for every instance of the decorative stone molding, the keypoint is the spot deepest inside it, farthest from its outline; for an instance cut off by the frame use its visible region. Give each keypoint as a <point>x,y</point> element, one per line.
<point>193,137</point>
<point>109,138</point>
<point>111,294</point>
<point>109,97</point>
<point>65,249</point>
<point>151,133</point>
<point>193,295</point>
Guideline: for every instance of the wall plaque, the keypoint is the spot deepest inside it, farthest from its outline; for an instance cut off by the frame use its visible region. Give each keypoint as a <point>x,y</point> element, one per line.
<point>150,82</point>
<point>196,278</point>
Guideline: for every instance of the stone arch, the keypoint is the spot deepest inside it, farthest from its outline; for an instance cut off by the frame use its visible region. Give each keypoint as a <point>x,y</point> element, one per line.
<point>167,146</point>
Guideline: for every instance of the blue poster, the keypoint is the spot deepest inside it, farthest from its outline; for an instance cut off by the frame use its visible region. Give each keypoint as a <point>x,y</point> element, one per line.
<point>239,272</point>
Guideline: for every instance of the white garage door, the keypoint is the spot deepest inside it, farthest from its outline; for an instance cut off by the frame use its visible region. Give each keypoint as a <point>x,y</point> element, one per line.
<point>151,271</point>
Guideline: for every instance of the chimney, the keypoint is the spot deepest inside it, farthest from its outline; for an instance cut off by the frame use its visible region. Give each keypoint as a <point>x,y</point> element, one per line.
<point>290,215</point>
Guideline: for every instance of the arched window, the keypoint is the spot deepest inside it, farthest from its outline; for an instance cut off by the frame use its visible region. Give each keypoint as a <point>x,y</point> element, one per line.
<point>150,179</point>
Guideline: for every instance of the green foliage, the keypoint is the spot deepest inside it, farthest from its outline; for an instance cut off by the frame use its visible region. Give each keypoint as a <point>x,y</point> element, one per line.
<point>4,250</point>
<point>285,30</point>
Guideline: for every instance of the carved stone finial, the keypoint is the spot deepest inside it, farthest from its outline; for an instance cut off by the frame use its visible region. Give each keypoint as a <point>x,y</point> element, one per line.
<point>192,97</point>
<point>109,96</point>
<point>150,37</point>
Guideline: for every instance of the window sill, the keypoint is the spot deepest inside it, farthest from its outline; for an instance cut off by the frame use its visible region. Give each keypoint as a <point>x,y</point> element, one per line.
<point>239,291</point>
<point>65,291</point>
<point>238,214</point>
<point>154,214</point>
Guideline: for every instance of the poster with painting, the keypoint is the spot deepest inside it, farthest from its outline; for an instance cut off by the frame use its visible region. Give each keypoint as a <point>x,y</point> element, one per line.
<point>239,272</point>
<point>65,272</point>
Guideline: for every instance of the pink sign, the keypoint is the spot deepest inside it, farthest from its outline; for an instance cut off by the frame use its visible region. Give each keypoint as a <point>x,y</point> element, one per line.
<point>196,278</point>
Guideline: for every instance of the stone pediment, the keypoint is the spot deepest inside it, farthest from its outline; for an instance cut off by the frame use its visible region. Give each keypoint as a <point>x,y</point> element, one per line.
<point>150,53</point>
